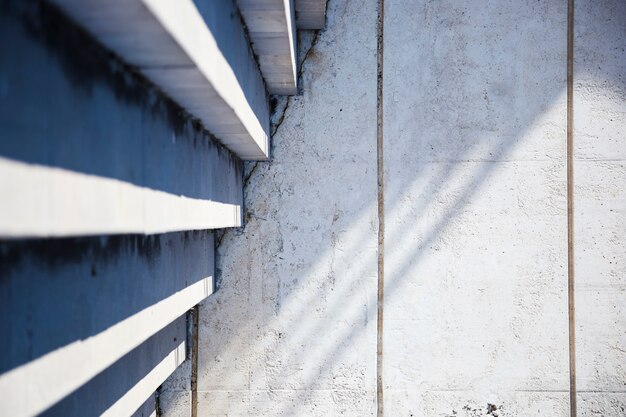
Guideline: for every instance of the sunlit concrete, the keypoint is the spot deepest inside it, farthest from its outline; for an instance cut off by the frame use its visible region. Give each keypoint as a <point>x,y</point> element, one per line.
<point>291,330</point>
<point>476,309</point>
<point>600,206</point>
<point>476,231</point>
<point>147,409</point>
<point>476,297</point>
<point>56,202</point>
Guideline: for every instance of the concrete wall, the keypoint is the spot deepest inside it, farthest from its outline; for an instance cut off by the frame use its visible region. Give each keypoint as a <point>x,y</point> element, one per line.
<point>600,206</point>
<point>476,231</point>
<point>476,317</point>
<point>476,309</point>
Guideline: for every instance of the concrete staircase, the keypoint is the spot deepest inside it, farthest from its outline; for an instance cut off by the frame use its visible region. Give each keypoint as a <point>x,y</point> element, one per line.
<point>124,127</point>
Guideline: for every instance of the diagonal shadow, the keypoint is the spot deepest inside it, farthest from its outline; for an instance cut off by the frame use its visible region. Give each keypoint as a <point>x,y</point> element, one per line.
<point>325,360</point>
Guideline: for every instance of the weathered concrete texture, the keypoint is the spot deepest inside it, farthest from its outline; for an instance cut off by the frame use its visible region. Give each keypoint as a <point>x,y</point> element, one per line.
<point>173,402</point>
<point>600,206</point>
<point>476,249</point>
<point>291,330</point>
<point>476,309</point>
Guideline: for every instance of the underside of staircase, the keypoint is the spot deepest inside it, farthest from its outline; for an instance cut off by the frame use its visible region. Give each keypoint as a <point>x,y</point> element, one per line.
<point>126,127</point>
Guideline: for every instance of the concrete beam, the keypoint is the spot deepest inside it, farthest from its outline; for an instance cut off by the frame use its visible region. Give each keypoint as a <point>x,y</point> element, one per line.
<point>49,202</point>
<point>72,308</point>
<point>127,387</point>
<point>134,397</point>
<point>311,14</point>
<point>271,26</point>
<point>600,206</point>
<point>32,388</point>
<point>170,43</point>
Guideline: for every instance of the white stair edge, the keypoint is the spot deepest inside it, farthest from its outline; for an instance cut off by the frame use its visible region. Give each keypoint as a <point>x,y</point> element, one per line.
<point>35,386</point>
<point>169,42</point>
<point>53,202</point>
<point>137,395</point>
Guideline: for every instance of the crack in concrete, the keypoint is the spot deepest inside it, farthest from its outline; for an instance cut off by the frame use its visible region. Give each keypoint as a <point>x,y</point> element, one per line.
<point>246,178</point>
<point>281,118</point>
<point>283,111</point>
<point>220,234</point>
<point>219,237</point>
<point>308,52</point>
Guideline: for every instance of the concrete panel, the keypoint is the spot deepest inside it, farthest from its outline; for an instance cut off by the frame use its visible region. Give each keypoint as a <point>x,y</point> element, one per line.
<point>171,43</point>
<point>475,241</point>
<point>272,29</point>
<point>310,14</point>
<point>128,386</point>
<point>292,329</point>
<point>73,307</point>
<point>88,147</point>
<point>600,206</point>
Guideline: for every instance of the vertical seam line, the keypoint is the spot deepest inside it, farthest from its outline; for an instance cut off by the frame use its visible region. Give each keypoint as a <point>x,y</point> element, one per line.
<point>381,208</point>
<point>195,314</point>
<point>570,207</point>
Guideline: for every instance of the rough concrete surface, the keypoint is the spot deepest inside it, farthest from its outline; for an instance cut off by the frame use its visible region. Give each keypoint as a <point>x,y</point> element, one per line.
<point>291,330</point>
<point>600,206</point>
<point>476,308</point>
<point>476,236</point>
